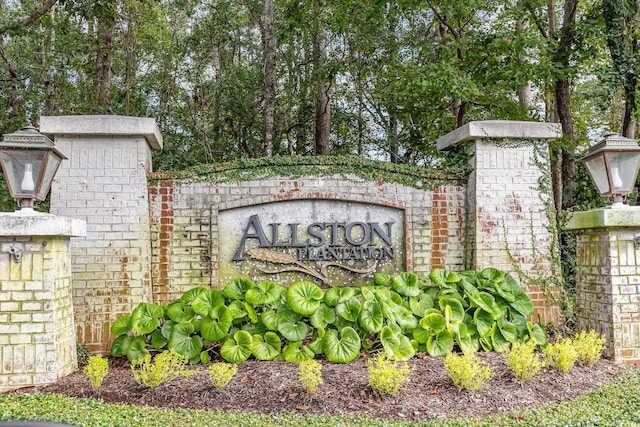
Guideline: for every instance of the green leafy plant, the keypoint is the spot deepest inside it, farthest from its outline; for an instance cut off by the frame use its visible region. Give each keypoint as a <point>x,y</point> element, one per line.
<point>309,374</point>
<point>167,366</point>
<point>467,371</point>
<point>221,373</point>
<point>96,369</point>
<point>83,354</point>
<point>523,360</point>
<point>561,355</point>
<point>385,376</point>
<point>588,346</point>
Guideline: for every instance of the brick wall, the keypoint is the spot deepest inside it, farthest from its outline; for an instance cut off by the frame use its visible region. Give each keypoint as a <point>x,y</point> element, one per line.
<point>184,225</point>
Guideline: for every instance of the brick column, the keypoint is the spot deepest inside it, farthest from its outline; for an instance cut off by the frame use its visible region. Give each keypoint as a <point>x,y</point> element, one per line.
<point>507,224</point>
<point>105,183</point>
<point>37,332</point>
<point>608,278</point>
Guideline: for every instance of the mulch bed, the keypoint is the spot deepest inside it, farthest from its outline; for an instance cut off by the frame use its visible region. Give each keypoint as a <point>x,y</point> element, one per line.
<point>273,387</point>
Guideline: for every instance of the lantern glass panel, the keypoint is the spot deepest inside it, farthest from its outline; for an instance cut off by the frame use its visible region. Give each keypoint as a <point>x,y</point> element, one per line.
<point>21,169</point>
<point>598,171</point>
<point>624,167</point>
<point>51,167</point>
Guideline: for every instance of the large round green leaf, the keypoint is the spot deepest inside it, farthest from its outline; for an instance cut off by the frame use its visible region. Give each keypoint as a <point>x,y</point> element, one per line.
<point>188,296</point>
<point>444,278</point>
<point>334,296</point>
<point>294,353</point>
<point>180,312</point>
<point>237,288</point>
<point>371,318</point>
<point>323,316</point>
<point>206,300</point>
<point>183,343</point>
<point>537,333</point>
<point>238,348</point>
<point>120,345</point>
<point>341,349</point>
<point>420,304</point>
<point>381,279</point>
<point>270,319</point>
<point>293,330</point>
<point>216,325</point>
<point>158,341</point>
<point>137,349</point>
<point>264,293</point>
<point>484,322</point>
<point>433,321</point>
<point>489,277</point>
<point>406,284</point>
<point>396,346</point>
<point>508,330</point>
<point>500,343</point>
<point>452,309</point>
<point>166,328</point>
<point>440,344</point>
<point>522,303</point>
<point>267,347</point>
<point>122,325</point>
<point>146,317</point>
<point>349,309</point>
<point>238,309</point>
<point>304,297</point>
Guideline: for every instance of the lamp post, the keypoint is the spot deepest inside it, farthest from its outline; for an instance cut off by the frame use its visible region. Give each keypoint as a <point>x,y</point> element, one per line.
<point>613,165</point>
<point>29,163</point>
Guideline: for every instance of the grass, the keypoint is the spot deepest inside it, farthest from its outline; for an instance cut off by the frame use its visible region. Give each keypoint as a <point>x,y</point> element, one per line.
<point>616,404</point>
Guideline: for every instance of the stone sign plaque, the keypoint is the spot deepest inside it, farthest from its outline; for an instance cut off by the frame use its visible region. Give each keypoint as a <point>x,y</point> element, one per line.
<point>329,242</point>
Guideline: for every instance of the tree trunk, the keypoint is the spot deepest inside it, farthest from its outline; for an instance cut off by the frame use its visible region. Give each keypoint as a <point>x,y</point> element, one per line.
<point>322,107</point>
<point>15,106</point>
<point>104,56</point>
<point>269,88</point>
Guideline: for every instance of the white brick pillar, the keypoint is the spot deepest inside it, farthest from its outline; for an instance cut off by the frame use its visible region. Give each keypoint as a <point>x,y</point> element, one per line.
<point>507,224</point>
<point>37,331</point>
<point>105,183</point>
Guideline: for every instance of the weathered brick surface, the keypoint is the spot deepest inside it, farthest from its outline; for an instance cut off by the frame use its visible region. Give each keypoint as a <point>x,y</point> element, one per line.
<point>105,182</point>
<point>608,289</point>
<point>184,225</point>
<point>37,330</point>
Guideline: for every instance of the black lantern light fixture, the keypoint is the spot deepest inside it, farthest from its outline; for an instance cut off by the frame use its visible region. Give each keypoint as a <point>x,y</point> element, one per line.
<point>29,162</point>
<point>613,165</point>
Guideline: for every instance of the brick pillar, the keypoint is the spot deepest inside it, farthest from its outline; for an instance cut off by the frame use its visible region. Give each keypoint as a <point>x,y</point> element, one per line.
<point>37,332</point>
<point>608,278</point>
<point>105,183</point>
<point>507,224</point>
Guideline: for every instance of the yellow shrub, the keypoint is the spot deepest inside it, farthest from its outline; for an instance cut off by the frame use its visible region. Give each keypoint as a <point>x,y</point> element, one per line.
<point>309,375</point>
<point>589,346</point>
<point>221,373</point>
<point>385,377</point>
<point>467,371</point>
<point>523,360</point>
<point>96,369</point>
<point>561,355</point>
<point>166,367</point>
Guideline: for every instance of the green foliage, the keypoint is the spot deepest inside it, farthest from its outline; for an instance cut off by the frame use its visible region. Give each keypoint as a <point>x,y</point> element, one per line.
<point>467,371</point>
<point>588,346</point>
<point>296,166</point>
<point>166,367</point>
<point>385,377</point>
<point>523,360</point>
<point>96,369</point>
<point>401,314</point>
<point>309,375</point>
<point>221,373</point>
<point>561,355</point>
<point>83,354</point>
